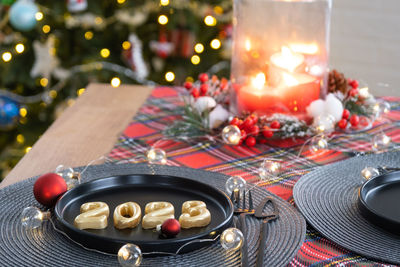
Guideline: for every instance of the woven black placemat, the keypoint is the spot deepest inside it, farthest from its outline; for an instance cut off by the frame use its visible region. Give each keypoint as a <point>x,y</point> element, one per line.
<point>327,197</point>
<point>45,247</point>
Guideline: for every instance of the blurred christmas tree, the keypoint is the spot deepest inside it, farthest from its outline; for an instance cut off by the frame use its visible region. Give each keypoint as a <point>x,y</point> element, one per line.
<point>50,50</point>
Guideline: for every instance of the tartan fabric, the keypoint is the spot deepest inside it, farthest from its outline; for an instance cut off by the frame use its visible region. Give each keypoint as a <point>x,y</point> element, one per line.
<point>160,111</point>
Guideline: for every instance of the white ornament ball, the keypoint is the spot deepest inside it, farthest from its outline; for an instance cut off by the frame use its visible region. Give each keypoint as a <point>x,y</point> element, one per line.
<point>130,255</point>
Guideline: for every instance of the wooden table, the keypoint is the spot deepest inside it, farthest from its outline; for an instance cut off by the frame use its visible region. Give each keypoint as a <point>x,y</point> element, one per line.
<point>84,132</point>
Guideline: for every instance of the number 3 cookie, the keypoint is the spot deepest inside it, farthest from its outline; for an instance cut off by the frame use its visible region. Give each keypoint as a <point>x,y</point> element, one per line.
<point>194,214</point>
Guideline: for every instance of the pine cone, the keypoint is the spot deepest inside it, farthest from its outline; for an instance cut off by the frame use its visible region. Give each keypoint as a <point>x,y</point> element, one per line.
<point>337,82</point>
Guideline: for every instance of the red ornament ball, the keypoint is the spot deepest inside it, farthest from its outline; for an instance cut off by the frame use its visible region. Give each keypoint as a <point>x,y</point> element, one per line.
<point>170,227</point>
<point>342,124</point>
<point>48,188</point>
<point>251,141</point>
<point>203,77</point>
<point>354,120</point>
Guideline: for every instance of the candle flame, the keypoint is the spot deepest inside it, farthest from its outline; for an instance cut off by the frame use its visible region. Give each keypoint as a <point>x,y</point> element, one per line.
<point>259,81</point>
<point>308,49</point>
<point>287,59</point>
<point>286,53</point>
<point>247,45</point>
<point>289,80</point>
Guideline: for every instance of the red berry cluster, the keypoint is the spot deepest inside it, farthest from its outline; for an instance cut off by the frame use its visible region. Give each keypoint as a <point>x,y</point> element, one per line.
<point>346,118</point>
<point>207,87</point>
<point>251,132</point>
<point>354,87</point>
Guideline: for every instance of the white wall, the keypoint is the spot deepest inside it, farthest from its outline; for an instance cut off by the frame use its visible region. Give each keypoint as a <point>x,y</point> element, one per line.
<point>365,42</point>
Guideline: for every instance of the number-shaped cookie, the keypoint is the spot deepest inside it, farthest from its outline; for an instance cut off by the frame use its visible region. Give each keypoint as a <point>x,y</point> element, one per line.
<point>194,214</point>
<point>127,215</point>
<point>157,213</point>
<point>94,215</point>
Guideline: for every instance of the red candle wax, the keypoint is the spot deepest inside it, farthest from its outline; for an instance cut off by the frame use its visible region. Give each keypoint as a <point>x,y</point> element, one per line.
<point>292,99</point>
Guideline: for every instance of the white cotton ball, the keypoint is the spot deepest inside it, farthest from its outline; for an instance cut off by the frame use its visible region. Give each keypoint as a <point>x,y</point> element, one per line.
<point>316,108</point>
<point>203,103</point>
<point>218,116</point>
<point>334,107</point>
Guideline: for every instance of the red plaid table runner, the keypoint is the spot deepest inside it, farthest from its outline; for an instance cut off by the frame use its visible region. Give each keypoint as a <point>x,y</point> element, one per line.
<point>160,111</point>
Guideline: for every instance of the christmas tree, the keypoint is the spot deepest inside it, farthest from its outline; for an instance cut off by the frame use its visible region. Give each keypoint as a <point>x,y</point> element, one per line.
<point>51,50</point>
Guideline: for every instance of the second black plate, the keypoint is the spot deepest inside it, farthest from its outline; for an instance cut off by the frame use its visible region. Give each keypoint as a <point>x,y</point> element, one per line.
<point>379,201</point>
<point>143,189</point>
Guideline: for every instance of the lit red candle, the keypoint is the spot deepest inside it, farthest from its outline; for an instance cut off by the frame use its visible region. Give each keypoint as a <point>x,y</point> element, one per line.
<point>289,88</point>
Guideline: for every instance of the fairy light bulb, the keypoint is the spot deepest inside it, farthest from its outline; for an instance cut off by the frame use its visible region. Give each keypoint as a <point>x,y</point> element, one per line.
<point>71,177</point>
<point>268,168</point>
<point>231,239</point>
<point>369,172</point>
<point>162,19</point>
<point>32,217</point>
<point>130,255</point>
<point>156,156</point>
<point>6,56</point>
<point>231,135</point>
<point>39,16</point>
<point>381,142</point>
<point>19,48</point>
<point>318,143</point>
<point>210,21</point>
<point>195,59</point>
<point>115,82</point>
<point>235,183</point>
<point>169,76</point>
<point>324,123</point>
<point>199,48</point>
<point>215,44</point>
<point>381,107</point>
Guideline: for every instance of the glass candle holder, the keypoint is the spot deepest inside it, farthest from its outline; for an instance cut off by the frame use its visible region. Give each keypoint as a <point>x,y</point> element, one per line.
<point>280,55</point>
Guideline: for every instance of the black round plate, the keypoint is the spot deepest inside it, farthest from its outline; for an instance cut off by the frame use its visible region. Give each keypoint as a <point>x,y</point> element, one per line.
<point>143,189</point>
<point>379,201</point>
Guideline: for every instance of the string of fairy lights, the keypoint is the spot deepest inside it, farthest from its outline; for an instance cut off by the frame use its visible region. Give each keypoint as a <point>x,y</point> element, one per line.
<point>230,239</point>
